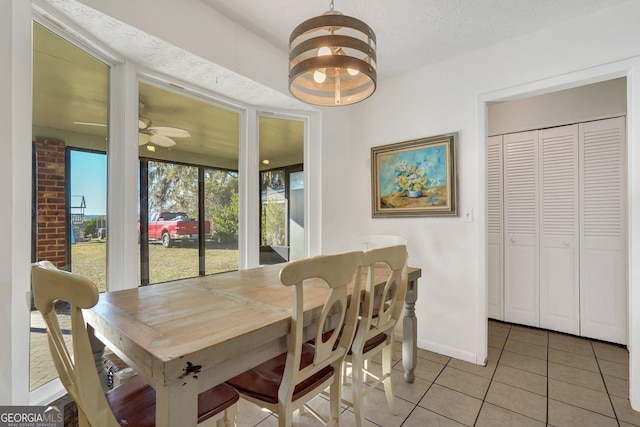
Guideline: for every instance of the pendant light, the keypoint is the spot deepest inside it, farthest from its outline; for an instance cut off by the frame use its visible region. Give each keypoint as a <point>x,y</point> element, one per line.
<point>332,60</point>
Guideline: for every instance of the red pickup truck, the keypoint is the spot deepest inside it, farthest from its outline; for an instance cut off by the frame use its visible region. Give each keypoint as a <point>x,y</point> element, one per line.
<point>170,226</point>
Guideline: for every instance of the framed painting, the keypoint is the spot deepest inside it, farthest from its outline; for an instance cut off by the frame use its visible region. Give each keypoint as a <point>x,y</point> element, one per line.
<point>414,178</point>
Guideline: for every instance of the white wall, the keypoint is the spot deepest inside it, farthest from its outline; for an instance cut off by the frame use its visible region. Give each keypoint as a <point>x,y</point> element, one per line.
<point>339,230</point>
<point>15,193</point>
<point>448,97</point>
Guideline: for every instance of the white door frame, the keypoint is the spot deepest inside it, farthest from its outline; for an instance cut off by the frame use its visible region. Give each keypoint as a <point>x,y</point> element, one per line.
<point>630,69</point>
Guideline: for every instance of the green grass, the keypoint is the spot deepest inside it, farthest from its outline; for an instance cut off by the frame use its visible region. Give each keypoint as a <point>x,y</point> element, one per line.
<point>89,259</point>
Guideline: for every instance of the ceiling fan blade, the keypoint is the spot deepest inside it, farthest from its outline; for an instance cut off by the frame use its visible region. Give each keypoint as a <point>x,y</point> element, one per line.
<point>102,125</point>
<point>162,141</point>
<point>143,138</point>
<point>143,122</point>
<point>169,131</point>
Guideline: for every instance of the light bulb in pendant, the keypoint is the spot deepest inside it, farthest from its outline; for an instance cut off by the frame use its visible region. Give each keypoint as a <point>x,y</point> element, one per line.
<point>352,71</point>
<point>319,76</point>
<point>324,51</point>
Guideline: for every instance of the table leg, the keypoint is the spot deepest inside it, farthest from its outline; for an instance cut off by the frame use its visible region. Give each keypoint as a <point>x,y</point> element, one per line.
<point>177,404</point>
<point>409,332</point>
<point>97,348</point>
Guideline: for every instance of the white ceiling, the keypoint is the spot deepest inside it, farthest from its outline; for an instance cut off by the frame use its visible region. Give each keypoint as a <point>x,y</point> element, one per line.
<point>414,33</point>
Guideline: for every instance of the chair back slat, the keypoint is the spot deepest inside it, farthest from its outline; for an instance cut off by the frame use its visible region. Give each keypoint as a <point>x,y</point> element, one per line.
<point>336,272</point>
<point>370,241</point>
<point>381,310</point>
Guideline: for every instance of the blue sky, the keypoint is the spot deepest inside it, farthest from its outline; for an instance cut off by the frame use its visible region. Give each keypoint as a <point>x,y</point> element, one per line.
<point>89,179</point>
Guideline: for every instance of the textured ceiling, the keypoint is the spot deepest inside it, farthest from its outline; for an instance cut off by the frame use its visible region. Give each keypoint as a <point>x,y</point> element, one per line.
<point>414,33</point>
<point>410,33</point>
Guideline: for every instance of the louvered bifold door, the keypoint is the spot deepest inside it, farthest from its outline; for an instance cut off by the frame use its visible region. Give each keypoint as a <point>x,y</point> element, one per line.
<point>559,246</point>
<point>521,291</point>
<point>603,285</point>
<point>495,303</point>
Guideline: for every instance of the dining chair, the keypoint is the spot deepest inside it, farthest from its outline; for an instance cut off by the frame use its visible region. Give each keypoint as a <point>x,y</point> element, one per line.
<point>315,352</point>
<point>370,241</point>
<point>379,314</point>
<point>134,402</point>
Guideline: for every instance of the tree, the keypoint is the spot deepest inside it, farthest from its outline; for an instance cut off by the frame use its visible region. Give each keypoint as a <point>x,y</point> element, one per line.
<point>273,223</point>
<point>273,208</point>
<point>173,187</point>
<point>91,227</point>
<point>221,201</point>
<point>225,220</point>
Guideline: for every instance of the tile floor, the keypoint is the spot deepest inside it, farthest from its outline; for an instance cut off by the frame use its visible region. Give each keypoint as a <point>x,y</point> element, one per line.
<point>533,378</point>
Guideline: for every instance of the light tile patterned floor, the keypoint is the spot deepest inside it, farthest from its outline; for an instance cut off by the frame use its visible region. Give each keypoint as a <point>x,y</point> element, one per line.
<point>533,378</point>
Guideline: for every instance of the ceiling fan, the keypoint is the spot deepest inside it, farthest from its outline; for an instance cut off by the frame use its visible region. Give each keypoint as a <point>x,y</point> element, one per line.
<point>158,135</point>
<point>147,134</point>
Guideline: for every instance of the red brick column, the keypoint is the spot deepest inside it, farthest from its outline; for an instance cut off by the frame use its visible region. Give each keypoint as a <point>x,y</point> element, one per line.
<point>50,201</point>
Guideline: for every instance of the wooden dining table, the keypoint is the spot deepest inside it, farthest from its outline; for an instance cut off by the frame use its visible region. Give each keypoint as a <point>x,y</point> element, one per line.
<point>188,335</point>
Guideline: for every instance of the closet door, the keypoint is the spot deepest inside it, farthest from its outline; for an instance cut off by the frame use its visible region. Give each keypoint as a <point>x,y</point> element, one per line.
<point>559,246</point>
<point>495,301</point>
<point>603,284</point>
<point>521,228</point>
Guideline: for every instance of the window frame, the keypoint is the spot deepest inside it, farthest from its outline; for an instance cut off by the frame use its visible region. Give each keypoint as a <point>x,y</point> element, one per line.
<point>288,170</point>
<point>54,389</point>
<point>144,215</point>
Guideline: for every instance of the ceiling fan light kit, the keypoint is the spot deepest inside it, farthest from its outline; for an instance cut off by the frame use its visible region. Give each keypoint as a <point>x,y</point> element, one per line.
<point>332,60</point>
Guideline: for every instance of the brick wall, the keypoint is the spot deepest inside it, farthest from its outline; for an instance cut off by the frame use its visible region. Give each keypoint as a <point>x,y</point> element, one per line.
<point>51,225</point>
<point>50,201</point>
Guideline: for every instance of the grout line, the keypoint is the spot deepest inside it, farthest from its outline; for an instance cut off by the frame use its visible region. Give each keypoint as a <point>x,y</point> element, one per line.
<point>606,389</point>
<point>548,361</point>
<point>415,406</point>
<point>493,375</point>
<point>594,355</point>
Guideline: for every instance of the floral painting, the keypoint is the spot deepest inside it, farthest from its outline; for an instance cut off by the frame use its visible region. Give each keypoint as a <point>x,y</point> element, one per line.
<point>414,178</point>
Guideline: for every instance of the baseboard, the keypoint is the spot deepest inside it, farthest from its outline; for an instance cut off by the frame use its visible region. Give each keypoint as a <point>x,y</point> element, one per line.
<point>450,351</point>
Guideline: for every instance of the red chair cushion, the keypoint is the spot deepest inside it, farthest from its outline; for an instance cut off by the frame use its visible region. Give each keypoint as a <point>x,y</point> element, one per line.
<point>373,342</point>
<point>263,381</point>
<point>134,402</point>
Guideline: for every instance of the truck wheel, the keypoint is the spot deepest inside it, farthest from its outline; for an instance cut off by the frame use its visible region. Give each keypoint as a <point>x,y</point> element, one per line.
<point>166,240</point>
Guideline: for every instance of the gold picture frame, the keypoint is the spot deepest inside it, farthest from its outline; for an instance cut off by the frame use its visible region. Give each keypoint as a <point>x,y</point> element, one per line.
<point>415,178</point>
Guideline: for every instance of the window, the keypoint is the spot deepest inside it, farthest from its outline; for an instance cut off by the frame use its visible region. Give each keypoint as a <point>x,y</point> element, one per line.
<point>189,186</point>
<point>281,190</point>
<point>69,171</point>
<point>88,210</point>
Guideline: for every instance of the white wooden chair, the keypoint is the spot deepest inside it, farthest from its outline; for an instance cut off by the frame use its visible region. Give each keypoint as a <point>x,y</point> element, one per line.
<point>379,314</point>
<point>370,241</point>
<point>287,382</point>
<point>131,404</point>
